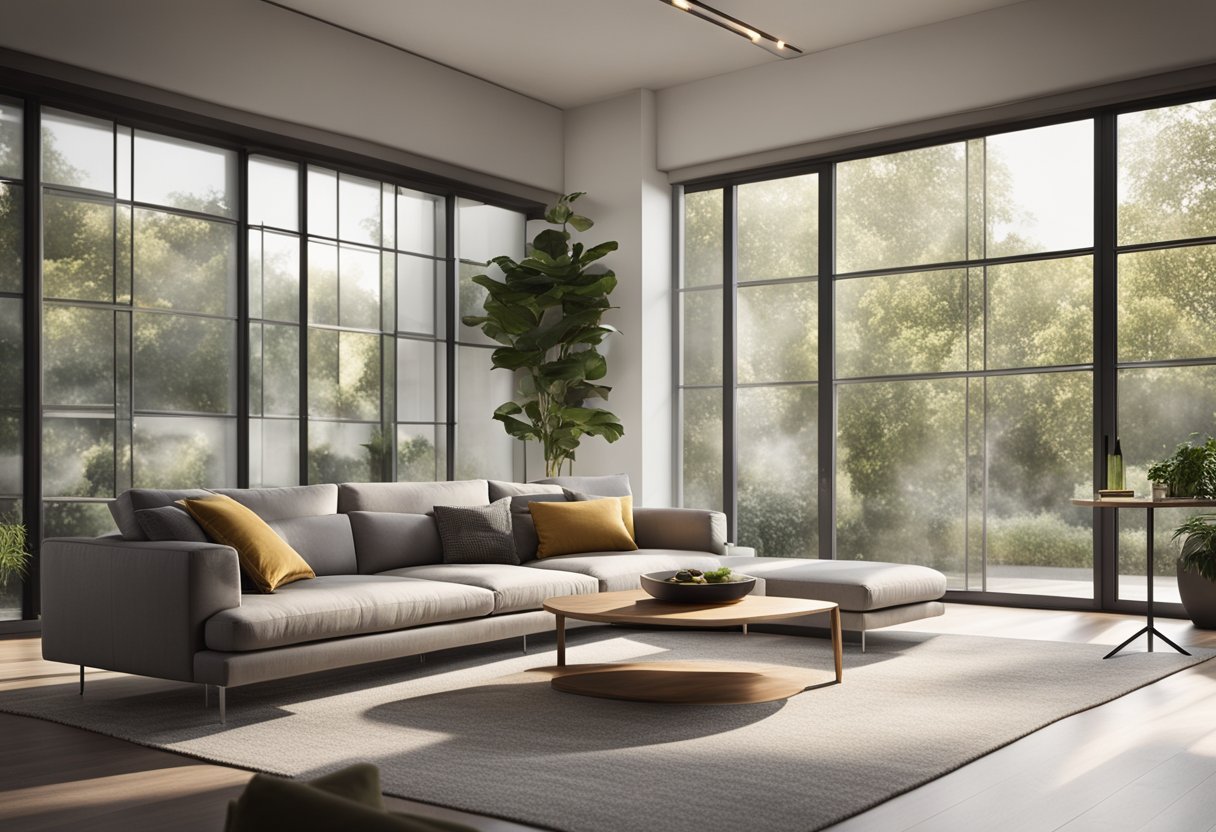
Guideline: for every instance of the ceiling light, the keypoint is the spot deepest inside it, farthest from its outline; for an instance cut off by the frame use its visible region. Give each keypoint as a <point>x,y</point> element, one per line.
<point>757,36</point>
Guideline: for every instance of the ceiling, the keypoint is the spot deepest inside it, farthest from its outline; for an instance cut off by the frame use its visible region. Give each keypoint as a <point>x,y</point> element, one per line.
<point>573,52</point>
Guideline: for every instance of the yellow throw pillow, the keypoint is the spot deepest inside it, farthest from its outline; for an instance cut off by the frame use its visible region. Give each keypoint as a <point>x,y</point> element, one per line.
<point>266,558</point>
<point>570,528</point>
<point>626,506</point>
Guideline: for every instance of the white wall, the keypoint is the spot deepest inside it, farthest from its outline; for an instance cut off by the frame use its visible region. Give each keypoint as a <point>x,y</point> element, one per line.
<point>610,154</point>
<point>1027,50</point>
<point>257,57</point>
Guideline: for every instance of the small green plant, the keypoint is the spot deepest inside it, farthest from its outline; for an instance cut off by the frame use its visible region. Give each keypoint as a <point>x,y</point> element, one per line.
<point>1191,471</point>
<point>13,556</point>
<point>1199,550</point>
<point>547,313</point>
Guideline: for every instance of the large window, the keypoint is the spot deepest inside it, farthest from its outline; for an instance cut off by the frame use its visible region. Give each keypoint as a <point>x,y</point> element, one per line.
<point>211,317</point>
<point>966,326</point>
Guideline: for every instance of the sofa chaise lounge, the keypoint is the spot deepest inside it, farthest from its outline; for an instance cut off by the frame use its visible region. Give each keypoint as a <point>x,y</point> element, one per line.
<point>175,609</point>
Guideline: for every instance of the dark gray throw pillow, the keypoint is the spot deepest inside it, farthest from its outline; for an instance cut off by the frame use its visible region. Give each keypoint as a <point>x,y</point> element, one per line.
<point>522,527</point>
<point>477,534</point>
<point>169,523</point>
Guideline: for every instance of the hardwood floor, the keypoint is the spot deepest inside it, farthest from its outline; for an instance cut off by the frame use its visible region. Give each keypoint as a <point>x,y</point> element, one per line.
<point>1145,762</point>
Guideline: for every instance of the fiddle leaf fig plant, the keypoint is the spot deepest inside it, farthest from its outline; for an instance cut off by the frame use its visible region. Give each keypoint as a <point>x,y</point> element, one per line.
<point>547,312</point>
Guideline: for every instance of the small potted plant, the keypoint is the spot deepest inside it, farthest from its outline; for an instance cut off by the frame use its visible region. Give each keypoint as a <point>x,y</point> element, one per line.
<point>13,556</point>
<point>1197,569</point>
<point>1190,472</point>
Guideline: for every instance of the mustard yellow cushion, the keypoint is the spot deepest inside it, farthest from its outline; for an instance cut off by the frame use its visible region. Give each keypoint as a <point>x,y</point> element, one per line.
<point>626,506</point>
<point>570,528</point>
<point>266,558</point>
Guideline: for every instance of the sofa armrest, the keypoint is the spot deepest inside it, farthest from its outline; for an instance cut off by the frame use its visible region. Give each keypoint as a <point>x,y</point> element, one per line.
<point>693,529</point>
<point>133,606</point>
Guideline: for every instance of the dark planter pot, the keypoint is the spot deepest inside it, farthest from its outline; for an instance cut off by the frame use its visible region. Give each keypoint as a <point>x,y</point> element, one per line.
<point>1198,597</point>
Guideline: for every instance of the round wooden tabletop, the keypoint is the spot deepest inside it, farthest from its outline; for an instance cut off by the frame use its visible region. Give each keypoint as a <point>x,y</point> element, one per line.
<point>635,606</point>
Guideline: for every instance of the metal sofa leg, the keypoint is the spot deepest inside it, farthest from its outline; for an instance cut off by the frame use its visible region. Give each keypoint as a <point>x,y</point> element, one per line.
<point>206,696</point>
<point>223,703</point>
<point>82,680</point>
<point>863,641</point>
<point>525,644</point>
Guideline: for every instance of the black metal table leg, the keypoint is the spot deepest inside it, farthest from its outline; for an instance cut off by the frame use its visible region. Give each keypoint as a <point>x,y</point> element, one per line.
<point>1148,628</point>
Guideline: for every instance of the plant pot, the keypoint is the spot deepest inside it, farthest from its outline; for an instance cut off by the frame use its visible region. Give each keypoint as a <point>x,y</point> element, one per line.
<point>1198,598</point>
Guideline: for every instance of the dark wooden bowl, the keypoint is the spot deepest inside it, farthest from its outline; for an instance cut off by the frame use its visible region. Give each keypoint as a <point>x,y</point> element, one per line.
<point>726,593</point>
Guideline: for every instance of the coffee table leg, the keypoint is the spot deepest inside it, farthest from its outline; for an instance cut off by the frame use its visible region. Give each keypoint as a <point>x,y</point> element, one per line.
<point>561,640</point>
<point>837,648</point>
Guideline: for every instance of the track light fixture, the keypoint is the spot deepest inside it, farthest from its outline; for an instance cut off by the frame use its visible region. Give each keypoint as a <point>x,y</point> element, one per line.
<point>761,38</point>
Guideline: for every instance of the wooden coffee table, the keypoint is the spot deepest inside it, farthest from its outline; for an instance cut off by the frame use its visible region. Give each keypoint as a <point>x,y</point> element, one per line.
<point>680,681</point>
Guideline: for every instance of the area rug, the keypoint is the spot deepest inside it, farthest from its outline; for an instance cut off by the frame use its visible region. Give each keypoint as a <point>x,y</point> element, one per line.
<point>482,730</point>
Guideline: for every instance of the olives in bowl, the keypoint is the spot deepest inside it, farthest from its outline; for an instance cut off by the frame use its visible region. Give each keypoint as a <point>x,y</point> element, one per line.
<point>694,586</point>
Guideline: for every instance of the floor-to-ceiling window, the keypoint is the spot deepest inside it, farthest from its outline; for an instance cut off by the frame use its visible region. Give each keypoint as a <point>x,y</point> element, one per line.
<point>212,316</point>
<point>965,332</point>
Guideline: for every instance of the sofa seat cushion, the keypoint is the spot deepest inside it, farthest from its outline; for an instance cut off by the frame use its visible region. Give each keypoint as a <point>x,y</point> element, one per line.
<point>515,588</point>
<point>856,585</point>
<point>622,570</point>
<point>341,605</point>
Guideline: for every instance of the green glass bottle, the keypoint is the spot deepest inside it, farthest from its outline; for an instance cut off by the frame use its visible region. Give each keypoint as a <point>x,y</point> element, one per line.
<point>1114,468</point>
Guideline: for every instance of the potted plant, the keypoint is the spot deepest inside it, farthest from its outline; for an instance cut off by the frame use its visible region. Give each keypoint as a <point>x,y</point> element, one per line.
<point>1190,472</point>
<point>13,556</point>
<point>1197,569</point>
<point>547,313</point>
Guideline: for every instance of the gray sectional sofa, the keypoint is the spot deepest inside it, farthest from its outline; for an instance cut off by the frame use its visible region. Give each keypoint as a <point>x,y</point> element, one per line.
<point>175,609</point>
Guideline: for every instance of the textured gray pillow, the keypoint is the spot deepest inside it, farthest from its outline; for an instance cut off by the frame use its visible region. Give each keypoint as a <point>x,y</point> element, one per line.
<point>169,523</point>
<point>477,534</point>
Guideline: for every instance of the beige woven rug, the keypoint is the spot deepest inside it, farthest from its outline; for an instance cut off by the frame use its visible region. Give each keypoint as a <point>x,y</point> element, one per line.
<point>482,730</point>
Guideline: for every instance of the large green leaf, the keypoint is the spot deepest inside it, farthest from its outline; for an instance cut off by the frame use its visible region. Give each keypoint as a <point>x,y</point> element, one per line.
<point>580,222</point>
<point>552,242</point>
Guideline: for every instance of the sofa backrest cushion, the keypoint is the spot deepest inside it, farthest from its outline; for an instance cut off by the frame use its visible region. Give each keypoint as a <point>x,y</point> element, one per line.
<point>411,497</point>
<point>272,504</point>
<point>325,541</point>
<point>500,489</point>
<point>128,502</point>
<point>608,485</point>
<point>391,540</point>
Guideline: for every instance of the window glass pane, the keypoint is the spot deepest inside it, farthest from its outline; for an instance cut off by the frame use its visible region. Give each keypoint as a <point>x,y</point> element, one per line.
<point>702,238</point>
<point>184,263</point>
<point>702,448</point>
<point>471,299</point>
<point>322,283</point>
<point>905,323</point>
<point>419,456</point>
<point>1039,186</point>
<point>187,175</point>
<point>183,363</point>
<point>77,249</point>
<point>1167,304</point>
<point>388,215</point>
<point>322,202</point>
<point>11,349</point>
<point>417,279</point>
<point>11,139</point>
<point>1167,182</point>
<point>78,356</point>
<point>778,470</point>
<point>69,519</point>
<point>1158,408</point>
<point>420,222</point>
<point>77,457</point>
<point>1041,313</point>
<point>487,231</point>
<point>181,452</point>
<point>416,380</point>
<point>779,228</point>
<point>279,370</point>
<point>274,193</point>
<point>483,448</point>
<point>344,452</point>
<point>902,209</point>
<point>344,375</point>
<point>778,328</point>
<point>702,336</point>
<point>358,210</point>
<point>1039,431</point>
<point>358,288</point>
<point>77,151</point>
<point>123,161</point>
<point>11,243</point>
<point>274,276</point>
<point>274,452</point>
<point>901,472</point>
